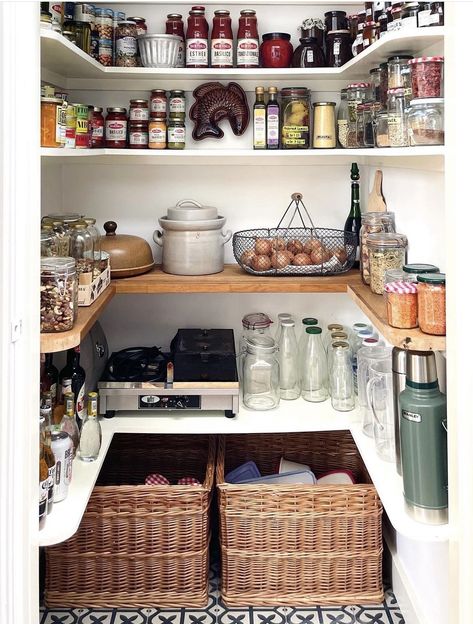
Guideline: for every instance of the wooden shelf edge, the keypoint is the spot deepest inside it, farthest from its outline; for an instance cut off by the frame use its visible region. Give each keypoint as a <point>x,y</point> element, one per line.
<point>373,306</point>
<point>86,317</point>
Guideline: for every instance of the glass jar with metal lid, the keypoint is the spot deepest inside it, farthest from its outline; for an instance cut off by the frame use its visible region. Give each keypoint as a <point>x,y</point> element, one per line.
<point>126,44</point>
<point>97,138</point>
<point>427,76</point>
<point>58,300</point>
<point>412,271</point>
<point>139,110</point>
<point>176,133</point>
<point>381,129</point>
<point>397,118</point>
<point>370,34</point>
<point>158,104</point>
<point>323,126</point>
<point>254,325</point>
<point>97,240</point>
<point>357,93</point>
<point>399,73</point>
<point>342,119</point>
<point>116,126</point>
<point>82,250</point>
<point>385,251</point>
<point>338,47</point>
<point>63,235</point>
<point>141,26</point>
<point>372,223</point>
<point>261,374</point>
<point>49,243</point>
<point>295,115</point>
<point>431,299</point>
<point>425,120</point>
<point>177,103</point>
<point>409,14</point>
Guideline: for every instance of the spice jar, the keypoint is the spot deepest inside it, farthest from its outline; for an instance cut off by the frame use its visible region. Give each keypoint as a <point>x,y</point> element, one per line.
<point>381,129</point>
<point>116,128</point>
<point>58,299</point>
<point>51,126</point>
<point>425,122</point>
<point>247,50</point>
<point>372,223</point>
<point>308,54</point>
<point>97,138</point>
<point>342,119</point>
<point>370,34</point>
<point>138,137</point>
<point>295,114</point>
<point>158,104</point>
<point>401,304</point>
<point>139,110</point>
<point>197,41</point>
<point>338,48</point>
<point>221,45</point>
<point>397,118</point>
<point>432,303</point>
<point>261,389</point>
<point>323,126</point>
<point>177,103</point>
<point>276,50</point>
<point>385,251</point>
<point>175,26</point>
<point>157,130</point>
<point>126,44</point>
<point>176,133</point>
<point>427,76</point>
<point>412,271</point>
<point>399,74</point>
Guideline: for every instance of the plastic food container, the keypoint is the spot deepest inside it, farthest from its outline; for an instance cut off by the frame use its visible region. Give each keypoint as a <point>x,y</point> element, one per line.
<point>401,304</point>
<point>58,294</point>
<point>426,122</point>
<point>432,303</point>
<point>427,76</point>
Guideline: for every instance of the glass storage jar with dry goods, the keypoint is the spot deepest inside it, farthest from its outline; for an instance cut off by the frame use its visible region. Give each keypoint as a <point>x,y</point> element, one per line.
<point>431,300</point>
<point>372,223</point>
<point>385,251</point>
<point>82,250</point>
<point>427,76</point>
<point>62,235</point>
<point>381,133</point>
<point>49,243</point>
<point>401,304</point>
<point>342,119</point>
<point>126,44</point>
<point>425,121</point>
<point>397,118</point>
<point>58,294</point>
<point>295,116</point>
<point>323,125</point>
<point>383,84</point>
<point>399,74</point>
<point>261,374</point>
<point>360,127</point>
<point>97,239</point>
<point>369,122</point>
<point>357,93</point>
<point>375,82</point>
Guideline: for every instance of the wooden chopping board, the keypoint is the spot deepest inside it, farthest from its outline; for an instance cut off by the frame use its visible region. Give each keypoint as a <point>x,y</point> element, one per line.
<point>376,202</point>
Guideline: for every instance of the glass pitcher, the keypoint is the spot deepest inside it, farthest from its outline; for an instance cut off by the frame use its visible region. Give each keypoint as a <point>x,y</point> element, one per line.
<point>379,393</point>
<point>366,357</point>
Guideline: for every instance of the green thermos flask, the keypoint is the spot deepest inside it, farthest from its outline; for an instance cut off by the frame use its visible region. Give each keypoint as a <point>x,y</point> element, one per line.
<point>423,434</point>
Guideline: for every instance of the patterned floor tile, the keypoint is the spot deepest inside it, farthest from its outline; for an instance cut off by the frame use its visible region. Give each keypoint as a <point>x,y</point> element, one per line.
<point>94,616</point>
<point>396,616</point>
<point>373,616</point>
<point>125,616</point>
<point>64,616</point>
<point>303,616</point>
<point>266,615</point>
<point>166,616</point>
<point>234,616</point>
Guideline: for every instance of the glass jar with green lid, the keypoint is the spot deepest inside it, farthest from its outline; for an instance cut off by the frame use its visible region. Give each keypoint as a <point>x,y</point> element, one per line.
<point>306,322</point>
<point>431,300</point>
<point>412,271</point>
<point>386,250</point>
<point>176,132</point>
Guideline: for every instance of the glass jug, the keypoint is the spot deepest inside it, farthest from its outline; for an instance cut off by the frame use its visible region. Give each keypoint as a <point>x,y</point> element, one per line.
<point>365,358</point>
<point>380,397</point>
<point>261,374</point>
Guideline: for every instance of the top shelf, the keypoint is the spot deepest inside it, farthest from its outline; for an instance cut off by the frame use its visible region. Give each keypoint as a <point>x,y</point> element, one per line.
<point>65,61</point>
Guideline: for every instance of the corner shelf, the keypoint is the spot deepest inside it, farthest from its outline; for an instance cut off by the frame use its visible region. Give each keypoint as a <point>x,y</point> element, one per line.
<point>374,308</point>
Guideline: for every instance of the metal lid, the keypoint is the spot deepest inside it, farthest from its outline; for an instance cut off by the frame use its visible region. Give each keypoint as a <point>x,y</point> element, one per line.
<point>52,99</point>
<point>421,367</point>
<point>66,218</point>
<point>126,22</point>
<point>313,330</point>
<point>370,342</point>
<point>284,315</point>
<point>256,320</point>
<point>294,91</point>
<point>356,327</point>
<point>145,102</point>
<point>323,104</point>
<point>338,336</point>
<point>432,278</point>
<point>420,268</point>
<point>137,19</point>
<point>337,32</point>
<point>116,109</point>
<point>276,35</point>
<point>375,69</point>
<point>248,12</point>
<point>158,92</point>
<point>178,92</point>
<point>399,57</point>
<point>309,320</point>
<point>222,13</point>
<point>335,327</point>
<point>174,16</point>
<point>288,322</point>
<point>340,344</point>
<point>365,333</point>
<point>98,109</point>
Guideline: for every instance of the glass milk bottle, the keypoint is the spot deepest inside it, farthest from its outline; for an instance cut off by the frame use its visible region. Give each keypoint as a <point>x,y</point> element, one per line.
<point>289,361</point>
<point>341,379</point>
<point>314,378</point>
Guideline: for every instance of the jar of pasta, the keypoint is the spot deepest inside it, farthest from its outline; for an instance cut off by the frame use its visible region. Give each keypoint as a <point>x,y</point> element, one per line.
<point>385,251</point>
<point>432,303</point>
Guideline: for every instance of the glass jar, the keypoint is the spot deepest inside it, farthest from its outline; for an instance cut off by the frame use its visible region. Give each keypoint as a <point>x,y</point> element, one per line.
<point>427,76</point>
<point>341,378</point>
<point>360,125</point>
<point>357,93</point>
<point>62,233</point>
<point>397,118</point>
<point>247,50</point>
<point>104,26</point>
<point>383,23</point>
<point>49,243</point>
<point>396,17</point>
<point>138,135</point>
<point>276,50</point>
<point>308,54</point>
<point>254,325</point>
<point>412,271</point>
<point>436,14</point>
<point>58,299</point>
<point>395,275</point>
<point>357,45</point>
<point>426,122</point>
<point>323,126</point>
<point>261,374</point>
<point>97,240</point>
<point>338,48</point>
<point>141,26</point>
<point>97,138</point>
<point>342,119</point>
<point>375,82</point>
<point>315,28</point>
<point>431,300</point>
<point>369,123</point>
<point>385,251</point>
<point>83,35</point>
<point>126,44</point>
<point>176,133</point>
<point>157,131</point>
<point>116,128</point>
<point>383,85</point>
<point>370,34</point>
<point>295,115</point>
<point>353,26</point>
<point>399,74</point>
<point>177,103</point>
<point>139,110</point>
<point>175,26</point>
<point>82,250</point>
<point>221,43</point>
<point>401,304</point>
<point>382,136</point>
<point>158,104</point>
<point>118,16</point>
<point>197,38</point>
<point>372,223</point>
<point>409,15</point>
<point>289,381</point>
<point>51,127</point>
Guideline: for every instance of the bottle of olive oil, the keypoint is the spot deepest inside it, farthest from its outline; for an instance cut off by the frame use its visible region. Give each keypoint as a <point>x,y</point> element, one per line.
<point>272,120</point>
<point>259,120</point>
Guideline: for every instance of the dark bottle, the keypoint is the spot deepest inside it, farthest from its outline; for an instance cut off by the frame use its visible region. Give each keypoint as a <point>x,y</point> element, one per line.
<point>72,379</point>
<point>49,377</point>
<point>273,120</point>
<point>353,222</point>
<point>259,120</point>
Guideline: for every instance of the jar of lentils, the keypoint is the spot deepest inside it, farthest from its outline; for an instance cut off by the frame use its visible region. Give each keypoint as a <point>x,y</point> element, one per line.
<point>58,294</point>
<point>431,299</point>
<point>385,251</point>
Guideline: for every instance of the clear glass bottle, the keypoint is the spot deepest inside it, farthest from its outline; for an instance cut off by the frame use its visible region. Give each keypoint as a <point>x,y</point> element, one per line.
<point>306,322</point>
<point>261,374</point>
<point>342,119</point>
<point>289,362</point>
<point>332,348</point>
<point>341,379</point>
<point>397,118</point>
<point>282,316</point>
<point>48,455</point>
<point>314,374</point>
<point>91,432</point>
<point>68,422</point>
<point>331,327</point>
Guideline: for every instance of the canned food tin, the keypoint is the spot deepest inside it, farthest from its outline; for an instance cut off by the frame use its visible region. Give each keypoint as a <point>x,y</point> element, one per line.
<point>71,121</point>
<point>62,447</point>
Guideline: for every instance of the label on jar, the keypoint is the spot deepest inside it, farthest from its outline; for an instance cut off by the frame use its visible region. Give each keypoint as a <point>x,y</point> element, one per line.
<point>139,114</point>
<point>273,125</point>
<point>157,134</point>
<point>70,138</point>
<point>177,105</point>
<point>366,43</point>
<point>126,46</point>
<point>61,123</point>
<point>82,126</point>
<point>310,56</point>
<point>158,104</point>
<point>423,18</point>
<point>434,19</point>
<point>138,137</point>
<point>197,52</point>
<point>409,22</point>
<point>176,134</point>
<point>115,130</point>
<point>181,54</point>
<point>221,53</point>
<point>248,53</point>
<point>97,131</point>
<point>259,128</point>
<point>295,136</point>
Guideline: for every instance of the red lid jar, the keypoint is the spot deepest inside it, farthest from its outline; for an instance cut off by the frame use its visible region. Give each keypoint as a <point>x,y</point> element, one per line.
<point>175,26</point>
<point>116,128</point>
<point>97,127</point>
<point>247,51</point>
<point>197,41</point>
<point>276,50</point>
<point>221,46</point>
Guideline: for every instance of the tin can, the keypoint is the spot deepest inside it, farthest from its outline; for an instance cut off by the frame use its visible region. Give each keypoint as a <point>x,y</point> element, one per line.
<point>62,447</point>
<point>71,121</point>
<point>82,126</point>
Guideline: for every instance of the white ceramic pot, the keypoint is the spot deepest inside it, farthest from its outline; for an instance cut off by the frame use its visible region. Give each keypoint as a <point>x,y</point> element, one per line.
<point>191,210</point>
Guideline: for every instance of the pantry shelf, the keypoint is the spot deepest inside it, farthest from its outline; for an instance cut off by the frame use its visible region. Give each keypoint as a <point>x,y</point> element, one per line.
<point>86,317</point>
<point>374,308</point>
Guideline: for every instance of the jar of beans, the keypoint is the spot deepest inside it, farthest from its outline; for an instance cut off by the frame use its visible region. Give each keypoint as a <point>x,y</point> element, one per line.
<point>432,303</point>
<point>385,251</point>
<point>58,298</point>
<point>427,76</point>
<point>401,304</point>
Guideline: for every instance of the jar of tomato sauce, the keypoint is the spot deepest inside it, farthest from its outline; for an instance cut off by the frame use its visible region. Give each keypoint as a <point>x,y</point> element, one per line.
<point>197,43</point>
<point>138,138</point>
<point>175,26</point>
<point>97,137</point>
<point>247,39</point>
<point>276,50</point>
<point>116,128</point>
<point>221,47</point>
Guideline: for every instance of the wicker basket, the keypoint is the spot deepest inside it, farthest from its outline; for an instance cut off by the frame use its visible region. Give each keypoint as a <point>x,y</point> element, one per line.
<point>298,545</point>
<point>140,545</point>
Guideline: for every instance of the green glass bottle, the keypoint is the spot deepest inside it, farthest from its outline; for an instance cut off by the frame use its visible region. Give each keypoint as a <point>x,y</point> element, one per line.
<point>353,222</point>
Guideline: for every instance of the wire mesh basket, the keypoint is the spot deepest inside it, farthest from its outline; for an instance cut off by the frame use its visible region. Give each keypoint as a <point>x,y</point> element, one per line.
<point>295,250</point>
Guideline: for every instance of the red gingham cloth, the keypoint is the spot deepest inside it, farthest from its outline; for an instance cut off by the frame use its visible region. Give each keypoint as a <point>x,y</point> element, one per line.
<point>188,481</point>
<point>156,479</point>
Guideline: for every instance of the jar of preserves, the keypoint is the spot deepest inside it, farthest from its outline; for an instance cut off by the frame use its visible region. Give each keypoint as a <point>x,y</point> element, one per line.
<point>158,104</point>
<point>409,14</point>
<point>126,44</point>
<point>397,118</point>
<point>116,126</point>
<point>370,34</point>
<point>247,51</point>
<point>323,127</point>
<point>401,304</point>
<point>139,110</point>
<point>138,135</point>
<point>82,126</point>
<point>51,126</point>
<point>425,121</point>
<point>261,389</point>
<point>396,17</point>
<point>141,26</point>
<point>295,115</point>
<point>427,76</point>
<point>431,299</point>
<point>342,119</point>
<point>382,136</point>
<point>197,42</point>
<point>383,21</point>
<point>385,251</point>
<point>399,74</point>
<point>276,50</point>
<point>58,300</point>
<point>357,45</point>
<point>221,45</point>
<point>313,27</point>
<point>177,103</point>
<point>175,26</point>
<point>353,26</point>
<point>176,133</point>
<point>372,223</point>
<point>338,48</point>
<point>436,14</point>
<point>335,20</point>
<point>308,54</point>
<point>157,130</point>
<point>98,123</point>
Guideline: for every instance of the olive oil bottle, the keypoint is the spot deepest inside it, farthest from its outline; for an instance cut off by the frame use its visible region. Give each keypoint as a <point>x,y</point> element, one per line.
<point>259,120</point>
<point>273,120</point>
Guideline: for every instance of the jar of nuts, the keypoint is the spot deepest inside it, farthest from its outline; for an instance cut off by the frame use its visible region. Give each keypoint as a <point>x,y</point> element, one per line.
<point>104,25</point>
<point>58,294</point>
<point>372,223</point>
<point>385,251</point>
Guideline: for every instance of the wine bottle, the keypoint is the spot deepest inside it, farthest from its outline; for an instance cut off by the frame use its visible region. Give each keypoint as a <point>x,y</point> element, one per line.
<point>259,120</point>
<point>49,376</point>
<point>72,378</point>
<point>353,222</point>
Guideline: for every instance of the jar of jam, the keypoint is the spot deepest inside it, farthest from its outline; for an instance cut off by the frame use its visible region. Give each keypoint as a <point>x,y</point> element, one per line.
<point>157,130</point>
<point>97,135</point>
<point>221,46</point>
<point>126,45</point>
<point>116,128</point>
<point>197,42</point>
<point>383,23</point>
<point>370,34</point>
<point>436,14</point>
<point>139,110</point>
<point>247,50</point>
<point>357,45</point>
<point>138,137</point>
<point>396,17</point>
<point>141,26</point>
<point>176,133</point>
<point>335,20</point>
<point>338,48</point>
<point>175,26</point>
<point>177,103</point>
<point>276,50</point>
<point>158,104</point>
<point>353,26</point>
<point>295,115</point>
<point>308,54</point>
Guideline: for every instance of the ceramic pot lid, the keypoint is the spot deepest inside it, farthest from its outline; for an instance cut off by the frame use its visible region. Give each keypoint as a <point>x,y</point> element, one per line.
<point>129,255</point>
<point>191,210</point>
